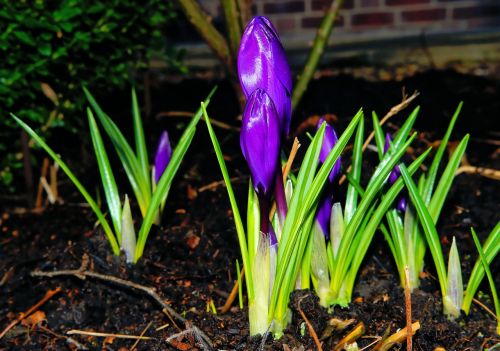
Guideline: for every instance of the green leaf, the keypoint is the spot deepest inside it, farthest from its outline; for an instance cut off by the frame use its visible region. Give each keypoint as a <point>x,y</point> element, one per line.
<point>351,202</point>
<point>490,249</point>
<point>140,142</point>
<point>127,157</point>
<point>240,231</point>
<point>379,135</point>
<point>24,37</point>
<point>491,281</point>
<point>128,243</point>
<point>432,173</point>
<point>428,227</point>
<point>452,302</point>
<point>444,185</point>
<point>107,177</point>
<point>93,205</point>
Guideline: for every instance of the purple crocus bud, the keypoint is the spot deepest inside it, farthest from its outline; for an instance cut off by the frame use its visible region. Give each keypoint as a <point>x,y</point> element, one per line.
<point>323,214</point>
<point>262,64</point>
<point>163,155</point>
<point>395,173</point>
<point>325,204</point>
<point>402,201</point>
<point>260,141</point>
<point>402,204</point>
<point>329,141</point>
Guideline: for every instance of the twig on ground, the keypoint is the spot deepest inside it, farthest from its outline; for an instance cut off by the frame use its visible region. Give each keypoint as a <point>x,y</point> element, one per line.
<point>486,308</point>
<point>482,171</point>
<point>68,340</point>
<point>409,332</point>
<point>354,335</point>
<point>82,273</point>
<point>105,335</point>
<point>216,184</point>
<point>48,296</point>
<point>187,114</point>
<point>233,294</point>
<point>392,112</point>
<point>133,347</point>
<point>312,332</point>
<point>397,337</point>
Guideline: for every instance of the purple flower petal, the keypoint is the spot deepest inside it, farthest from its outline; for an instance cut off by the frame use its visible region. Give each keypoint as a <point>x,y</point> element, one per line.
<point>329,141</point>
<point>260,141</point>
<point>163,155</point>
<point>262,64</point>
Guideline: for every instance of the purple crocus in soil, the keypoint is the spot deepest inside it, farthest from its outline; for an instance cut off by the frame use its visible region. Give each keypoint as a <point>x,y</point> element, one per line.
<point>163,155</point>
<point>325,204</point>
<point>402,201</point>
<point>260,144</point>
<point>262,64</point>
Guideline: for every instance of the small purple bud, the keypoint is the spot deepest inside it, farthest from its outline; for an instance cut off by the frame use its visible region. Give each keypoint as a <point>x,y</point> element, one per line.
<point>260,141</point>
<point>402,204</point>
<point>163,155</point>
<point>402,201</point>
<point>262,64</point>
<point>323,215</point>
<point>329,141</point>
<point>325,203</point>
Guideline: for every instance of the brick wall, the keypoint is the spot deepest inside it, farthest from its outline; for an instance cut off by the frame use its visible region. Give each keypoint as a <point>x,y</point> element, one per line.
<point>376,17</point>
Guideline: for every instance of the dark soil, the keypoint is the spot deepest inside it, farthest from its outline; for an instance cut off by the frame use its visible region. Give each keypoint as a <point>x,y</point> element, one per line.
<point>190,260</point>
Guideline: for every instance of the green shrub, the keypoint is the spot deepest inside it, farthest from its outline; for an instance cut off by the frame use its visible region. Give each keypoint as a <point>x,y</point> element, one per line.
<point>51,48</point>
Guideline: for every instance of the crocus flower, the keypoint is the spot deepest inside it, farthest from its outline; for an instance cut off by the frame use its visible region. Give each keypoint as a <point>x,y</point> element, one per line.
<point>260,144</point>
<point>163,155</point>
<point>402,201</point>
<point>325,205</point>
<point>260,140</point>
<point>262,64</point>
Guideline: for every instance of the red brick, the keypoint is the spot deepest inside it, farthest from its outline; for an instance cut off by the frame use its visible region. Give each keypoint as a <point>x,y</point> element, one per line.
<point>285,24</point>
<point>372,19</point>
<point>322,5</point>
<point>424,15</point>
<point>284,7</point>
<point>369,3</point>
<point>314,22</point>
<point>476,11</point>
<point>405,2</point>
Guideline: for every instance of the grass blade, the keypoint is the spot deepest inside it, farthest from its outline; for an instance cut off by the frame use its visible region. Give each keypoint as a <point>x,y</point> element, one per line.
<point>432,173</point>
<point>140,142</point>
<point>486,267</point>
<point>108,180</point>
<point>490,249</point>
<point>428,227</point>
<point>444,185</point>
<point>351,202</point>
<point>240,230</point>
<point>127,157</point>
<point>379,135</point>
<point>93,205</point>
